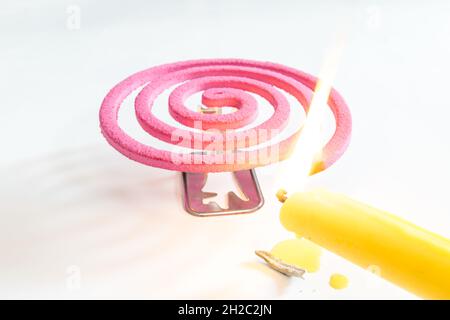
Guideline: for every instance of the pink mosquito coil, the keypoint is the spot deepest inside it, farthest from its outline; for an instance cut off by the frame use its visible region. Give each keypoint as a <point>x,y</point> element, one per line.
<point>223,83</point>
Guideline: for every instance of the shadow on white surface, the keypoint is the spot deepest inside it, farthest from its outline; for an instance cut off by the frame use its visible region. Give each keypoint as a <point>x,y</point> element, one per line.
<point>87,223</point>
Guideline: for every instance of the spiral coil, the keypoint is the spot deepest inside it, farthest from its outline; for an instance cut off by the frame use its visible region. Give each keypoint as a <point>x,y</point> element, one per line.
<point>223,82</point>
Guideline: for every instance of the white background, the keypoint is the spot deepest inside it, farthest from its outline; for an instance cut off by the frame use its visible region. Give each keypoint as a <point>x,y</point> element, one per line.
<point>79,220</point>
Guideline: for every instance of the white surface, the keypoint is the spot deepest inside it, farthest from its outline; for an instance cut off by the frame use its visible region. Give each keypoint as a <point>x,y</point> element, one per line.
<point>80,220</point>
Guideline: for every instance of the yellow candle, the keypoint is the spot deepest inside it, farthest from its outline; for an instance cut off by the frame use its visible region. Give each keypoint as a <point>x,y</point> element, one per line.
<point>405,254</point>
